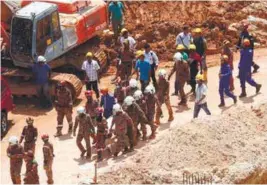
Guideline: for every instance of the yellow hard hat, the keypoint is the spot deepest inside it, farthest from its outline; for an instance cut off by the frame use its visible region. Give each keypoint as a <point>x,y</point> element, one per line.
<point>225,57</point>
<point>123,30</point>
<point>198,30</point>
<point>89,54</point>
<point>200,77</point>
<point>180,47</point>
<point>192,47</point>
<point>139,53</point>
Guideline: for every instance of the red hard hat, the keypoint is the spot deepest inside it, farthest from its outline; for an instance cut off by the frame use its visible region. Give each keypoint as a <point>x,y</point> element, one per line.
<point>88,93</point>
<point>99,110</point>
<point>45,136</point>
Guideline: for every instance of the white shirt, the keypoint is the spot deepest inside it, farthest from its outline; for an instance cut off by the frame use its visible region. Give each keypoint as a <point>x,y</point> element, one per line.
<point>132,42</point>
<point>183,39</point>
<point>151,57</point>
<point>200,91</point>
<point>91,70</point>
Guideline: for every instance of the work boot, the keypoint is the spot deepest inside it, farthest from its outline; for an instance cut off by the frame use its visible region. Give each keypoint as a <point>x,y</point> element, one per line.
<point>256,67</point>
<point>131,148</point>
<point>235,100</point>
<point>99,156</point>
<point>50,182</point>
<point>157,122</point>
<point>59,133</point>
<point>126,150</point>
<point>144,138</point>
<point>222,104</point>
<point>83,152</point>
<point>182,102</point>
<point>171,118</point>
<point>152,136</point>
<point>174,94</point>
<point>243,93</point>
<point>70,128</point>
<point>258,88</point>
<point>88,157</point>
<point>115,154</point>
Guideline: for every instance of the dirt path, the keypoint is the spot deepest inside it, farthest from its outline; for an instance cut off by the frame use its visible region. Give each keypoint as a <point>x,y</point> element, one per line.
<point>70,169</point>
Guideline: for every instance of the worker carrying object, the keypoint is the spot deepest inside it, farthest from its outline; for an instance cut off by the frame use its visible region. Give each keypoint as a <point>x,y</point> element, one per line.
<point>31,176</point>
<point>48,152</point>
<point>64,106</point>
<point>29,135</point>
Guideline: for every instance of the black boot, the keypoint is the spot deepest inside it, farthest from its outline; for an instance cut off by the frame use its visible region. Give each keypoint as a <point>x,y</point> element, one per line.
<point>258,88</point>
<point>131,147</point>
<point>222,104</point>
<point>243,93</point>
<point>255,68</point>
<point>70,128</point>
<point>235,100</point>
<point>126,150</point>
<point>99,156</point>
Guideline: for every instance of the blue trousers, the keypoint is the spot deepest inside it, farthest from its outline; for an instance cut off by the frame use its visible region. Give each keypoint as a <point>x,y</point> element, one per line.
<point>224,88</point>
<point>107,113</point>
<point>245,76</point>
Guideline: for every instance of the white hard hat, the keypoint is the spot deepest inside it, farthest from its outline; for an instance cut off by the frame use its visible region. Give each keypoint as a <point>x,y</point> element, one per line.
<point>162,72</point>
<point>133,83</point>
<point>80,110</point>
<point>138,95</point>
<point>128,100</point>
<point>116,108</point>
<point>41,59</point>
<point>177,57</point>
<point>150,89</point>
<point>13,140</point>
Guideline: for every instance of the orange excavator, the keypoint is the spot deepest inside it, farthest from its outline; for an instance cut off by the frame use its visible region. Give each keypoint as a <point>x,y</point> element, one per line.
<point>60,30</point>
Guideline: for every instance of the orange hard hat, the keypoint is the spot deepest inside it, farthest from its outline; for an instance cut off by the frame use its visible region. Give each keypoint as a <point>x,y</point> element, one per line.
<point>88,93</point>
<point>45,137</point>
<point>246,42</point>
<point>104,90</point>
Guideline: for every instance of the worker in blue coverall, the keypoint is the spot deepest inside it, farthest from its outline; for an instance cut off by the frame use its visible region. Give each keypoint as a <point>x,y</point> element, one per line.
<point>225,75</point>
<point>107,102</point>
<point>245,68</point>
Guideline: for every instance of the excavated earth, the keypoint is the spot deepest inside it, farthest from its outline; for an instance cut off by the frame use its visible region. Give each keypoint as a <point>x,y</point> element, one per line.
<point>230,148</point>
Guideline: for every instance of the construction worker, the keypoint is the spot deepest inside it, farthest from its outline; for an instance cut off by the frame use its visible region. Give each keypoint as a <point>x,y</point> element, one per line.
<point>123,124</point>
<point>132,87</point>
<point>102,131</point>
<point>182,75</point>
<point>107,102</point>
<point>194,62</point>
<point>184,38</point>
<point>201,93</point>
<point>201,48</point>
<point>120,91</point>
<point>227,51</point>
<point>245,68</point>
<point>48,152</point>
<point>163,95</point>
<point>152,100</point>
<point>16,153</point>
<point>91,72</point>
<point>245,35</point>
<point>31,176</point>
<point>153,61</point>
<point>126,55</point>
<point>143,67</point>
<point>63,105</point>
<point>137,115</point>
<point>125,36</point>
<point>91,105</point>
<point>29,135</point>
<point>85,124</point>
<point>116,10</point>
<point>225,75</point>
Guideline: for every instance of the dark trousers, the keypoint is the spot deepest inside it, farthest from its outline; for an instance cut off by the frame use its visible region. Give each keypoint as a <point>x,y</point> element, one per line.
<point>224,88</point>
<point>153,75</point>
<point>93,85</point>
<point>244,77</point>
<point>203,106</point>
<point>144,84</point>
<point>193,74</point>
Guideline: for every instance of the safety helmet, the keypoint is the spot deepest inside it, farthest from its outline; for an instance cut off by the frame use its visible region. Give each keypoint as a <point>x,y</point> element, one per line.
<point>192,47</point>
<point>41,59</point>
<point>88,93</point>
<point>123,30</point>
<point>225,57</point>
<point>45,137</point>
<point>128,100</point>
<point>180,47</point>
<point>133,83</point>
<point>140,53</point>
<point>89,54</point>
<point>104,90</point>
<point>198,30</point>
<point>81,110</point>
<point>150,89</point>
<point>246,42</point>
<point>138,95</point>
<point>162,72</point>
<point>29,120</point>
<point>99,110</point>
<point>13,140</point>
<point>177,57</point>
<point>200,77</point>
<point>116,108</point>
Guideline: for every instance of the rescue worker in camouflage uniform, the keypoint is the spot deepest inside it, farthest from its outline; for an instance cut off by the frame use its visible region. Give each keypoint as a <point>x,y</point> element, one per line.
<point>132,87</point>
<point>15,153</point>
<point>123,123</point>
<point>85,124</point>
<point>151,101</point>
<point>163,95</point>
<point>120,91</point>
<point>102,131</point>
<point>182,75</point>
<point>31,176</point>
<point>48,152</point>
<point>29,134</point>
<point>63,105</point>
<point>137,115</point>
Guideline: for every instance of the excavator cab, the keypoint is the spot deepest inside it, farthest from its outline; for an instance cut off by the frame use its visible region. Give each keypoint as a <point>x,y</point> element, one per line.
<point>35,31</point>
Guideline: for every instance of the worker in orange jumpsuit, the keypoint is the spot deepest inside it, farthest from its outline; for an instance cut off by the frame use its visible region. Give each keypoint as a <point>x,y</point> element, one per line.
<point>63,105</point>
<point>31,176</point>
<point>85,124</point>
<point>163,95</point>
<point>227,51</point>
<point>30,134</point>
<point>102,131</point>
<point>48,152</point>
<point>15,153</point>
